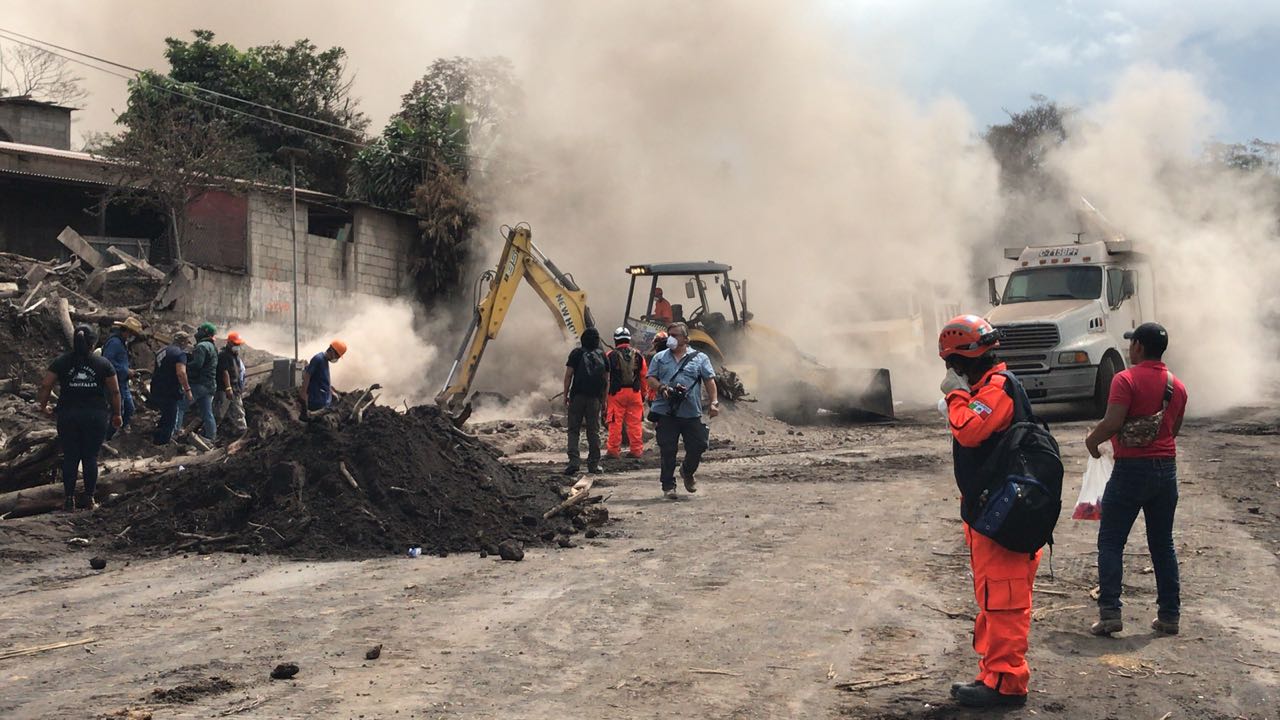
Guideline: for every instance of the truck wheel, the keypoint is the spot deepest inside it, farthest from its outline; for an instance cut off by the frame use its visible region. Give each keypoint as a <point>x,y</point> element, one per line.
<point>1102,384</point>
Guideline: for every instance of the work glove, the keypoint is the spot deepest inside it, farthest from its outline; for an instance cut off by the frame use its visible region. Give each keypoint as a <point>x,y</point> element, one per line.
<point>953,382</point>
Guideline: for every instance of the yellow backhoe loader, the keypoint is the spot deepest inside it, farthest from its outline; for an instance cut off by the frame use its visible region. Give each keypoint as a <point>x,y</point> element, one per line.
<point>520,260</point>
<point>792,385</point>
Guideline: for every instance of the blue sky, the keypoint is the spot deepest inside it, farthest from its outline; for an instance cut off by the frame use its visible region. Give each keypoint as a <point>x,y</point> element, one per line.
<point>993,54</point>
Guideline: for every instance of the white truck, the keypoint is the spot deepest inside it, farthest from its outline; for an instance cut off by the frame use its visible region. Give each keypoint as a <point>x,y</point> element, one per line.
<point>1063,312</point>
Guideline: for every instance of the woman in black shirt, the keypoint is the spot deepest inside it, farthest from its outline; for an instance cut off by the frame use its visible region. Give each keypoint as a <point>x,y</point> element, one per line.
<point>86,382</point>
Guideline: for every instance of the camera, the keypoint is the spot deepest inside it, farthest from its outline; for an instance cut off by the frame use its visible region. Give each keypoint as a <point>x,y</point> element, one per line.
<point>676,395</point>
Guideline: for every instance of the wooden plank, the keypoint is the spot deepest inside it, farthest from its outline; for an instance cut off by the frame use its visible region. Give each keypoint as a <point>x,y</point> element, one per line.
<point>80,247</point>
<point>12,653</point>
<point>138,264</point>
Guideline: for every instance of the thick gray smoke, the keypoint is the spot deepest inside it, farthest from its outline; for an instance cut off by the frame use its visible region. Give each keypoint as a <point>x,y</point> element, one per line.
<point>1211,233</point>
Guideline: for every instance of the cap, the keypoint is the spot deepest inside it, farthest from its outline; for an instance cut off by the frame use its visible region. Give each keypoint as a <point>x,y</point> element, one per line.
<point>1151,335</point>
<point>181,337</point>
<point>131,323</point>
<point>339,347</point>
<point>233,338</point>
<point>206,329</point>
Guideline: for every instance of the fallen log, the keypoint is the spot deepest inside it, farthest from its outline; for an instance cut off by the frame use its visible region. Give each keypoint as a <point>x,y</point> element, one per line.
<point>574,499</point>
<point>118,477</point>
<point>64,318</point>
<point>26,440</point>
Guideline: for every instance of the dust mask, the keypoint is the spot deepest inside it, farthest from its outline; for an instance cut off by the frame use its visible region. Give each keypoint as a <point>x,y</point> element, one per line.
<point>672,342</point>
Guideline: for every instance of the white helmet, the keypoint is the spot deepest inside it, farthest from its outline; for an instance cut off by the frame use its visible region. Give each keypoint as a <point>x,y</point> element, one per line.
<point>622,333</point>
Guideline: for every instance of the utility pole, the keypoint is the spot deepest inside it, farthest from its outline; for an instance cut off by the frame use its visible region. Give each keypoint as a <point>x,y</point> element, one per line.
<point>293,154</point>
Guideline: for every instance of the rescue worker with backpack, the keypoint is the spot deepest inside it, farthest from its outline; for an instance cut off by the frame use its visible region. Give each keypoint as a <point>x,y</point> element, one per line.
<point>627,371</point>
<point>586,390</point>
<point>1010,478</point>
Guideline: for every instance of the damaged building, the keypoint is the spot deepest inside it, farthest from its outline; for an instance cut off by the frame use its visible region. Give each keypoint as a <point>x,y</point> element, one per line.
<point>237,247</point>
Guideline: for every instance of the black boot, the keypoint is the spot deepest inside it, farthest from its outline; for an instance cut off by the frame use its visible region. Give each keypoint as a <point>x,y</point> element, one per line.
<point>981,696</point>
<point>955,686</point>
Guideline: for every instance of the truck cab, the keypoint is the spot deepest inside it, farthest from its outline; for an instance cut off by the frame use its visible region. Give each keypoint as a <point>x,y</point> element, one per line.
<point>1063,312</point>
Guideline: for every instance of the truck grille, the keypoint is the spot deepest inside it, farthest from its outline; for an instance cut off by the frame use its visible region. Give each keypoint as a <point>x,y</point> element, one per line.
<point>1037,336</point>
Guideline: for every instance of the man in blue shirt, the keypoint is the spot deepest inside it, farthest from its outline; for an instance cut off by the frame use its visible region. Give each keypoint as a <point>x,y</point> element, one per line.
<point>116,350</point>
<point>170,387</point>
<point>316,391</point>
<point>678,376</point>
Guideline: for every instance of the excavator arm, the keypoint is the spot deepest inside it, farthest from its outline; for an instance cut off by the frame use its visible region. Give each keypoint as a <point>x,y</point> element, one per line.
<point>520,259</point>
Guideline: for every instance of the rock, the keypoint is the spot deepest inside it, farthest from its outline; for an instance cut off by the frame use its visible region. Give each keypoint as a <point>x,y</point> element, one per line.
<point>483,553</point>
<point>97,563</point>
<point>592,533</point>
<point>512,550</point>
<point>374,653</point>
<point>564,541</point>
<point>595,515</point>
<point>284,671</point>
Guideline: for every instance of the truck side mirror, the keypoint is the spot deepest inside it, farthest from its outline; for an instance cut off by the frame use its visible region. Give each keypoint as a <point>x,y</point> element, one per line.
<point>993,295</point>
<point>1129,286</point>
<point>689,290</point>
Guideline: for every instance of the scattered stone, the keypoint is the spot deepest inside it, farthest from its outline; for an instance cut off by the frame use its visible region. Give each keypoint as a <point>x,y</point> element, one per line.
<point>374,652</point>
<point>483,553</point>
<point>595,515</point>
<point>284,671</point>
<point>97,563</point>
<point>564,541</point>
<point>512,550</point>
<point>592,533</point>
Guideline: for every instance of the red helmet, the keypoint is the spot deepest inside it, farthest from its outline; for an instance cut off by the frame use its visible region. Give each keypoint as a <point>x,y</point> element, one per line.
<point>967,336</point>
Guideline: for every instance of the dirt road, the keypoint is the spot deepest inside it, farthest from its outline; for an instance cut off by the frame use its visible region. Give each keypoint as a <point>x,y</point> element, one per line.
<point>805,561</point>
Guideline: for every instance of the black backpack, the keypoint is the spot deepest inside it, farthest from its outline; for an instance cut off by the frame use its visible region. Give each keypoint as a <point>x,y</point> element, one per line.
<point>1023,499</point>
<point>594,366</point>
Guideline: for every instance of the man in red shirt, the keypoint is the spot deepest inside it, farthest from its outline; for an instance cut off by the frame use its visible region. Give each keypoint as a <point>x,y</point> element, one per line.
<point>980,409</point>
<point>1145,479</point>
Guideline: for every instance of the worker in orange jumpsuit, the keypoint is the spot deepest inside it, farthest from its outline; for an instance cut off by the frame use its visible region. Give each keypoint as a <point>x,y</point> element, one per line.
<point>627,371</point>
<point>980,409</point>
<point>662,311</point>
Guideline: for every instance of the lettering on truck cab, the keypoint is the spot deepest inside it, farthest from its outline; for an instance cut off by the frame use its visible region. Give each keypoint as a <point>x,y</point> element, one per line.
<point>1060,252</point>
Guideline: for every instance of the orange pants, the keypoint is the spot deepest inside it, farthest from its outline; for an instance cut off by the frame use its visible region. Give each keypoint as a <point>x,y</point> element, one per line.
<point>1002,584</point>
<point>626,406</point>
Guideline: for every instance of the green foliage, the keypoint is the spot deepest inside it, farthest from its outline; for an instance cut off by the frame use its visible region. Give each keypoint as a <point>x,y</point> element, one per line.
<point>1022,144</point>
<point>422,162</point>
<point>1254,156</point>
<point>295,79</point>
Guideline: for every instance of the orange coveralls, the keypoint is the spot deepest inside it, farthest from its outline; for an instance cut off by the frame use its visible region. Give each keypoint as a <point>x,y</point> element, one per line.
<point>1002,579</point>
<point>627,406</point>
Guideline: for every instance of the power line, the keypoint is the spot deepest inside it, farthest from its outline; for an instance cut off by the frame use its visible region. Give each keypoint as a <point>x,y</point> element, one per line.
<point>363,143</point>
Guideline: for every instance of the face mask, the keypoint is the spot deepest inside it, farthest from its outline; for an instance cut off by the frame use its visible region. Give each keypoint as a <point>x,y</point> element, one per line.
<point>672,342</point>
<point>235,349</point>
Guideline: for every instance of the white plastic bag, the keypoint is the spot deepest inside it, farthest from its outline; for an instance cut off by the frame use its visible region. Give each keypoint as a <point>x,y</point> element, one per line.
<point>1096,475</point>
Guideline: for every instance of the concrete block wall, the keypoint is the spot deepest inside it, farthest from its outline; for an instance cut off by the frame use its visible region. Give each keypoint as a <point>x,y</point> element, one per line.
<point>382,251</point>
<point>34,125</point>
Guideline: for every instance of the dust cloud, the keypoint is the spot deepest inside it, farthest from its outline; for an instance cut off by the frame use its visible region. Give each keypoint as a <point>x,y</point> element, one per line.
<point>386,345</point>
<point>1210,232</point>
<point>747,133</point>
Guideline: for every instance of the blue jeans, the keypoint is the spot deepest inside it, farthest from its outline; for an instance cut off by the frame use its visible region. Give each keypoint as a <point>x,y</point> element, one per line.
<point>1149,485</point>
<point>171,412</point>
<point>126,411</point>
<point>203,405</point>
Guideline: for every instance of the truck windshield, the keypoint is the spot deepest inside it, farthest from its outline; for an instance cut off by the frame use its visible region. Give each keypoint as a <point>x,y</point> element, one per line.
<point>1059,283</point>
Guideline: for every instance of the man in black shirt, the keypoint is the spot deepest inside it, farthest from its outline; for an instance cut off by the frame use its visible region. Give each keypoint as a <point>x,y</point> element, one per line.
<point>170,388</point>
<point>86,383</point>
<point>586,389</point>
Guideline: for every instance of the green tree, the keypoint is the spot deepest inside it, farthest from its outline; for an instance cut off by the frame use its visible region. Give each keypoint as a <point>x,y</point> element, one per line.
<point>1022,145</point>
<point>294,85</point>
<point>448,124</point>
<point>1254,156</point>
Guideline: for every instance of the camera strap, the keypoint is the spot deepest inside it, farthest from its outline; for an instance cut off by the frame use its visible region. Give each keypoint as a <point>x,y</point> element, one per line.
<point>685,361</point>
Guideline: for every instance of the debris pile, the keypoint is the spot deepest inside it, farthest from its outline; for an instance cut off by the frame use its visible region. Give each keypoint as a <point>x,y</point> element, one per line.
<point>336,487</point>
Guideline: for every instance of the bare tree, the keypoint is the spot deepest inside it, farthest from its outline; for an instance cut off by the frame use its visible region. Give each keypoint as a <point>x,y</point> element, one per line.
<point>171,155</point>
<point>30,71</point>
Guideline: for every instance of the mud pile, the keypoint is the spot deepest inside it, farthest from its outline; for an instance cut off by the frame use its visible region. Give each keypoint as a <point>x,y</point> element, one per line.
<point>334,488</point>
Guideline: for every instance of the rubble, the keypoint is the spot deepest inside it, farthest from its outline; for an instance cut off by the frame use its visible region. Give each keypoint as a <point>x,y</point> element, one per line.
<point>337,488</point>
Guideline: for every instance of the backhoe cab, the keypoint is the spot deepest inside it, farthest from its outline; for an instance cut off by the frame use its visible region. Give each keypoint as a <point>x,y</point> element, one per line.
<point>712,304</point>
